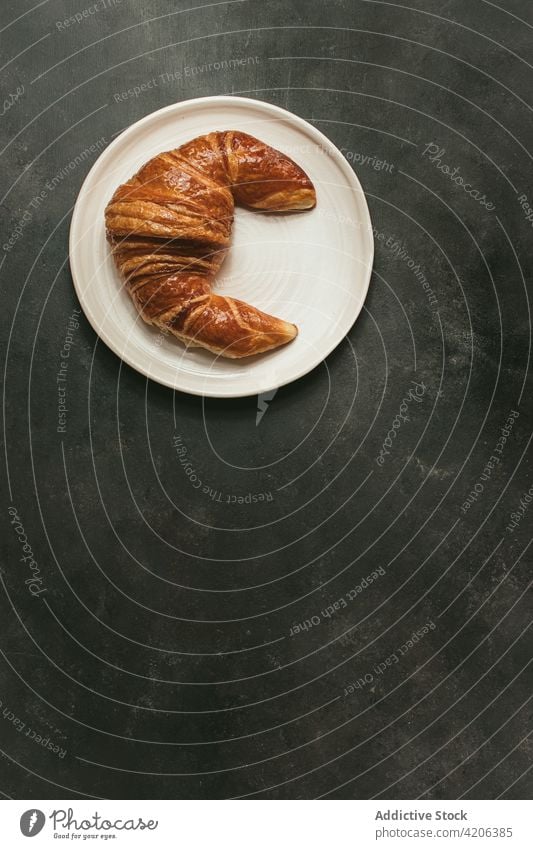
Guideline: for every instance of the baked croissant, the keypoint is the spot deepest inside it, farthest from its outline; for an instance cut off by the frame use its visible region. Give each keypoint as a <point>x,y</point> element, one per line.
<point>169,229</point>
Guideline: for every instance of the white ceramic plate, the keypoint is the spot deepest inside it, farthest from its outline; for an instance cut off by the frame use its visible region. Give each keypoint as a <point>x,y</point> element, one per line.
<point>312,268</point>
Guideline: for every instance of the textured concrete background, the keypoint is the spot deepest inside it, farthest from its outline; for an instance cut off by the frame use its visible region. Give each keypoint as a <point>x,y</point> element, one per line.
<point>160,651</point>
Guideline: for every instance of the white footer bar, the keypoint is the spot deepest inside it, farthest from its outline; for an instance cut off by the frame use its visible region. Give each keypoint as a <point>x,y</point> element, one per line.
<point>258,824</point>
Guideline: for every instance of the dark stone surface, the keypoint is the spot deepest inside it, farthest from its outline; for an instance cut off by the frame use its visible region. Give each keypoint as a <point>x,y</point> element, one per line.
<point>160,656</point>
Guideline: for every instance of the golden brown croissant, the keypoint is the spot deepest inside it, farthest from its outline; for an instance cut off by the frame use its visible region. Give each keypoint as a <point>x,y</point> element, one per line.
<point>169,228</point>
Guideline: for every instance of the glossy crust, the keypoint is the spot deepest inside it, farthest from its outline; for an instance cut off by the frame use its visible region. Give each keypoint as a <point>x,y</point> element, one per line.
<point>169,228</point>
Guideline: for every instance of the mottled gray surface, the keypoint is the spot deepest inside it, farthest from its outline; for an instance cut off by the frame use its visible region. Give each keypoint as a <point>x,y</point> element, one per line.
<point>159,640</point>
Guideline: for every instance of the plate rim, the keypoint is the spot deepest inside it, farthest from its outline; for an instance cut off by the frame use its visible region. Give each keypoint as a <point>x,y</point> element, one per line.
<point>178,106</point>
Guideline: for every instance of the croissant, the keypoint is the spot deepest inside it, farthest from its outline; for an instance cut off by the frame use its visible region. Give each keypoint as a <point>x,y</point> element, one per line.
<point>169,229</point>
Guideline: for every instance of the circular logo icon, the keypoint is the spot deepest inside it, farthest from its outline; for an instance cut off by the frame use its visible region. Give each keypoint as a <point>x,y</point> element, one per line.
<point>32,822</point>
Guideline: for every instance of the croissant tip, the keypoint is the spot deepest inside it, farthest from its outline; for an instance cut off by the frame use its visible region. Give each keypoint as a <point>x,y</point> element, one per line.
<point>290,331</point>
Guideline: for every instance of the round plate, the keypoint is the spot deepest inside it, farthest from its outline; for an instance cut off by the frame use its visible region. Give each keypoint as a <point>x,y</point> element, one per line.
<point>311,268</point>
